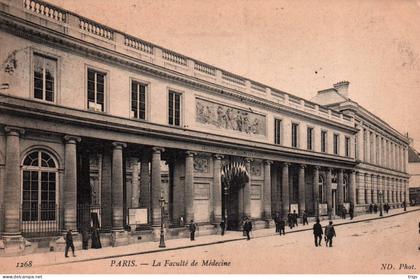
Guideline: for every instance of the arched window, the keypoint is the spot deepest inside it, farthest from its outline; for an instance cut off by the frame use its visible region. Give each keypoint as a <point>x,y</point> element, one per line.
<point>39,187</point>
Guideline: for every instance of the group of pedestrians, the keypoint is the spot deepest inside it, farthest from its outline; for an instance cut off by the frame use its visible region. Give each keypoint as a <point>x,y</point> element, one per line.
<point>329,234</point>
<point>94,236</point>
<point>343,211</point>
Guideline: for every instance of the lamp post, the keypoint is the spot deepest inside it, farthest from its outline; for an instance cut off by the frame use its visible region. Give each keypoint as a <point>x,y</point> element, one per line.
<point>225,210</point>
<point>380,203</point>
<point>162,212</point>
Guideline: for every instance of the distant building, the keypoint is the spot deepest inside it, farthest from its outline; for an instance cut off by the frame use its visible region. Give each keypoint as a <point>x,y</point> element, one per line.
<point>414,171</point>
<point>96,125</point>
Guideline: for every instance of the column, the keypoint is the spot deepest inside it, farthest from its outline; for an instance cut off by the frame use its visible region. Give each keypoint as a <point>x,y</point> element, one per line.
<point>70,183</point>
<point>368,157</point>
<point>285,189</point>
<point>145,181</point>
<point>217,186</point>
<point>360,144</point>
<point>340,192</point>
<point>352,188</point>
<point>405,159</point>
<point>267,189</point>
<point>315,183</point>
<point>301,189</point>
<point>156,186</point>
<point>329,193</point>
<point>12,187</point>
<point>247,189</point>
<point>394,191</point>
<point>135,183</point>
<point>189,186</point>
<point>361,186</point>
<point>117,186</point>
<point>374,188</point>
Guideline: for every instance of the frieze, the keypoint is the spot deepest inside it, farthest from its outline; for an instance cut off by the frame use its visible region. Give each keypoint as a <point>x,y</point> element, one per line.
<point>229,118</point>
<point>201,164</point>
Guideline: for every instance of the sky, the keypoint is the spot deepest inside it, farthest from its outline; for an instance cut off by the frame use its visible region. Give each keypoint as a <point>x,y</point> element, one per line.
<point>296,46</point>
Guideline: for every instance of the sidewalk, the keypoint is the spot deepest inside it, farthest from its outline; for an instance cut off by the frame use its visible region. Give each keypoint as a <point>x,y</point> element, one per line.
<point>54,258</point>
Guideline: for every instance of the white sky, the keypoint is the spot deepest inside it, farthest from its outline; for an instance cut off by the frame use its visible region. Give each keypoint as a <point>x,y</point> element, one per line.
<point>296,46</point>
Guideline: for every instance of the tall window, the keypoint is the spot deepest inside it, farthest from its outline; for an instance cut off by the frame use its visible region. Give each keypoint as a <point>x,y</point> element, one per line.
<point>295,128</point>
<point>138,100</point>
<point>336,144</point>
<point>347,146</point>
<point>96,90</point>
<point>277,131</point>
<point>39,189</point>
<point>323,141</point>
<point>45,70</point>
<point>309,138</point>
<point>174,108</point>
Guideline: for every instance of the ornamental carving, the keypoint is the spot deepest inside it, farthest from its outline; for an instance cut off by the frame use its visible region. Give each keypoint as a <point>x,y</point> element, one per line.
<point>10,64</point>
<point>256,169</point>
<point>201,164</point>
<point>229,118</point>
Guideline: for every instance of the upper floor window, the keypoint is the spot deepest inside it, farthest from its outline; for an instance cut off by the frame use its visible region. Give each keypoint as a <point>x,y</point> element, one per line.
<point>347,146</point>
<point>309,138</point>
<point>323,141</point>
<point>277,131</point>
<point>295,128</point>
<point>45,71</point>
<point>96,90</point>
<point>336,144</point>
<point>174,108</point>
<point>138,100</point>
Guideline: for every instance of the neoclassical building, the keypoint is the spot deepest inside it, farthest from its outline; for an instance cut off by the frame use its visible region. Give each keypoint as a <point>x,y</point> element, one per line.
<point>98,127</point>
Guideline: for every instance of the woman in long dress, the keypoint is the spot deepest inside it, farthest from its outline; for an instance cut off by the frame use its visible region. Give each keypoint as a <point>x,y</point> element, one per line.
<point>96,240</point>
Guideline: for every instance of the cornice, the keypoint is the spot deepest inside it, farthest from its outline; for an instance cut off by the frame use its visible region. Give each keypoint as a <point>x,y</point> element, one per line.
<point>44,35</point>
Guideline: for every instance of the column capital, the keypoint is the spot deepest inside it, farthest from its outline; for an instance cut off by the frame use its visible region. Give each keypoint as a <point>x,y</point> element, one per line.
<point>190,153</point>
<point>119,145</point>
<point>268,162</point>
<point>14,131</point>
<point>316,167</point>
<point>72,139</point>
<point>157,149</point>
<point>302,166</point>
<point>329,169</point>
<point>218,156</point>
<point>285,164</point>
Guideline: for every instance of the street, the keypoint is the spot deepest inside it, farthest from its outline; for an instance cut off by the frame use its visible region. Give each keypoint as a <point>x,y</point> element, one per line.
<point>388,246</point>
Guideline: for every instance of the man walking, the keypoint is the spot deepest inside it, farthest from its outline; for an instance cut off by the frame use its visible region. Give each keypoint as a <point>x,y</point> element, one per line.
<point>294,218</point>
<point>282,224</point>
<point>69,243</point>
<point>247,228</point>
<point>351,211</point>
<point>317,228</point>
<point>290,220</point>
<point>329,233</point>
<point>192,227</point>
<point>305,218</point>
<point>223,226</point>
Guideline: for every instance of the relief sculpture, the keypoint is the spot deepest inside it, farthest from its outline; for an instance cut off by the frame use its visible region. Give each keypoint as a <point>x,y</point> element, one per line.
<point>229,118</point>
<point>201,165</point>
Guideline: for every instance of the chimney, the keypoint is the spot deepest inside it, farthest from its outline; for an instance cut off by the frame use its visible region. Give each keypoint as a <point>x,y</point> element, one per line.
<point>342,88</point>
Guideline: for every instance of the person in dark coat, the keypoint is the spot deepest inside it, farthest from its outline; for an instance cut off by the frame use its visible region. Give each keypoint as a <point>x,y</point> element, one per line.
<point>351,211</point>
<point>317,229</point>
<point>223,227</point>
<point>305,218</point>
<point>276,221</point>
<point>329,233</point>
<point>96,239</point>
<point>282,224</point>
<point>192,227</point>
<point>69,244</point>
<point>290,220</point>
<point>375,208</point>
<point>370,208</point>
<point>247,228</point>
<point>343,212</point>
<point>85,239</point>
<point>386,208</point>
<point>294,218</point>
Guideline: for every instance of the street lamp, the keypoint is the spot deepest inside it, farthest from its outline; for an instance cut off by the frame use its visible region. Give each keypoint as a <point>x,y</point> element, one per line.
<point>380,203</point>
<point>162,212</point>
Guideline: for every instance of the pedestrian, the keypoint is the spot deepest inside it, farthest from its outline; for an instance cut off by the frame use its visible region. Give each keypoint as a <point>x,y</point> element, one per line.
<point>222,227</point>
<point>295,218</point>
<point>305,218</point>
<point>375,208</point>
<point>192,227</point>
<point>351,211</point>
<point>85,239</point>
<point>96,239</point>
<point>317,228</point>
<point>290,220</point>
<point>247,228</point>
<point>277,222</point>
<point>329,233</point>
<point>343,212</point>
<point>370,208</point>
<point>405,206</point>
<point>69,244</point>
<point>386,207</point>
<point>282,224</point>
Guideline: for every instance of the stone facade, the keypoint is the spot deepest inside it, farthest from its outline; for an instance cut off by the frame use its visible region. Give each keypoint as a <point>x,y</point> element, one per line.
<point>128,123</point>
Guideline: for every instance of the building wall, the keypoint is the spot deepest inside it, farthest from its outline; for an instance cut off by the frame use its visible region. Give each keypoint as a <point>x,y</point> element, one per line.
<point>414,171</point>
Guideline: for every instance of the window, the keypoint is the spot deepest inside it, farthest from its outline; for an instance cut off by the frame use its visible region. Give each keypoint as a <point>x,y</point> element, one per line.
<point>174,108</point>
<point>323,141</point>
<point>277,131</point>
<point>336,144</point>
<point>45,70</point>
<point>347,145</point>
<point>295,134</point>
<point>96,90</point>
<point>309,138</point>
<point>138,100</point>
<point>39,187</point>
